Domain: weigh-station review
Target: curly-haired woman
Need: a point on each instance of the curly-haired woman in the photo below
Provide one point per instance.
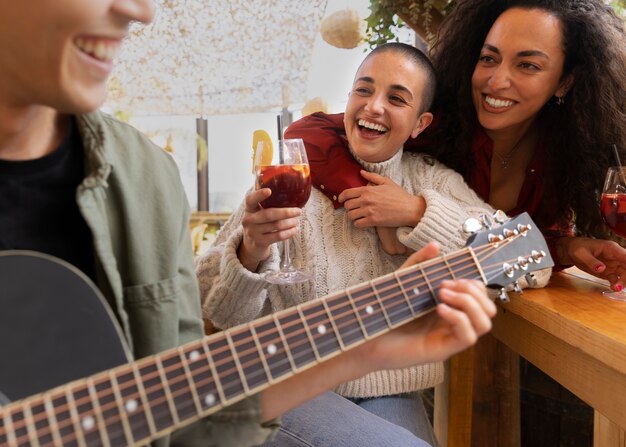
(529, 104)
(528, 107)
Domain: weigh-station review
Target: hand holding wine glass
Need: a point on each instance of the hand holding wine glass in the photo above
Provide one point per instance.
(613, 210)
(288, 177)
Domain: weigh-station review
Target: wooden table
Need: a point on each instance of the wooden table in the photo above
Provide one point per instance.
(568, 330)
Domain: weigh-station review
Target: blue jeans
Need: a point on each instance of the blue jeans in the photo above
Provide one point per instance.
(334, 421)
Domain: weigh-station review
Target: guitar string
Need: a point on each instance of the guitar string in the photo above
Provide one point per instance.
(307, 340)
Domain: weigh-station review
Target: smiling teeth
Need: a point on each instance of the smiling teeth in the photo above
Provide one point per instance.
(99, 49)
(498, 103)
(372, 126)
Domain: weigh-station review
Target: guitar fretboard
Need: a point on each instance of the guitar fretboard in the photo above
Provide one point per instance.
(148, 398)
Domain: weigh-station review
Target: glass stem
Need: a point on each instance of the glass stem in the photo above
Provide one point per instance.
(285, 264)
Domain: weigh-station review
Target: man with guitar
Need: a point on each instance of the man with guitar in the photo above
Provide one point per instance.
(78, 185)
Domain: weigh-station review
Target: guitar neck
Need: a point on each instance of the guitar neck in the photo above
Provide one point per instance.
(149, 398)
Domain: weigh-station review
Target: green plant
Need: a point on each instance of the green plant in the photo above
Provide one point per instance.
(388, 16)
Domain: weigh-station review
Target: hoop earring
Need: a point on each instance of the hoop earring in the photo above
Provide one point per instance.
(560, 101)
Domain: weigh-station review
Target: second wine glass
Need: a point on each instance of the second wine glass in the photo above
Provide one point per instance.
(288, 176)
(613, 210)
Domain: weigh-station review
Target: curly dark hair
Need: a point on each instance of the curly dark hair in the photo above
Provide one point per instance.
(579, 134)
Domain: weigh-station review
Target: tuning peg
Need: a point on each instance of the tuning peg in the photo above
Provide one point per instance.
(503, 296)
(523, 229)
(530, 279)
(522, 262)
(486, 221)
(537, 256)
(509, 233)
(500, 216)
(517, 288)
(508, 270)
(495, 238)
(472, 225)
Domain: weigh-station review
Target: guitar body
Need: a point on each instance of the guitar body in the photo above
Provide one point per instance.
(55, 326)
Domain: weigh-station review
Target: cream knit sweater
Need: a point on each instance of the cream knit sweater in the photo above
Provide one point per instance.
(341, 256)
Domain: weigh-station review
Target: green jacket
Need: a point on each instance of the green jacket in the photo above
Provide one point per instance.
(133, 201)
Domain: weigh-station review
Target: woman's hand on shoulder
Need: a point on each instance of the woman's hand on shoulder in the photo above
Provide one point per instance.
(263, 227)
(599, 257)
(381, 203)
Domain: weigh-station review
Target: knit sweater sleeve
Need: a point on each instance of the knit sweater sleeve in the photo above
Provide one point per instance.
(230, 293)
(449, 203)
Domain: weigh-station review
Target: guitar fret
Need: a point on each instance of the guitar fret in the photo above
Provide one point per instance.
(144, 399)
(218, 382)
(237, 362)
(381, 304)
(133, 409)
(225, 366)
(334, 325)
(40, 422)
(276, 351)
(259, 347)
(202, 376)
(252, 366)
(104, 436)
(296, 339)
(283, 337)
(308, 333)
(11, 432)
(445, 260)
(476, 265)
(176, 382)
(64, 419)
(78, 432)
(433, 295)
(356, 314)
(30, 425)
(190, 381)
(325, 338)
(349, 329)
(394, 303)
(370, 310)
(85, 415)
(404, 294)
(166, 391)
(118, 400)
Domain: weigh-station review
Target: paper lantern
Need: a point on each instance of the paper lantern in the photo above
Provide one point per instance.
(343, 29)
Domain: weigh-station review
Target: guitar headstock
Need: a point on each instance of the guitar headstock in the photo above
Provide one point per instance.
(508, 251)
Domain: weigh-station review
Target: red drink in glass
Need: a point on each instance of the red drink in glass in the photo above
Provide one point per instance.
(613, 209)
(290, 185)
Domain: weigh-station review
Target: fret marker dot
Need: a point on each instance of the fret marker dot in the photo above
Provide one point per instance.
(88, 423)
(416, 291)
(194, 355)
(209, 400)
(131, 405)
(321, 329)
(369, 310)
(271, 349)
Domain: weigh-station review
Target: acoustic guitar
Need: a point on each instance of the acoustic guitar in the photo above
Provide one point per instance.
(66, 378)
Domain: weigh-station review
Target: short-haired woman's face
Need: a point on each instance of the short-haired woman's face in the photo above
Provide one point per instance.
(383, 109)
(519, 69)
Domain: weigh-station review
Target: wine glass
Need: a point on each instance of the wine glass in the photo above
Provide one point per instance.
(613, 210)
(289, 177)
